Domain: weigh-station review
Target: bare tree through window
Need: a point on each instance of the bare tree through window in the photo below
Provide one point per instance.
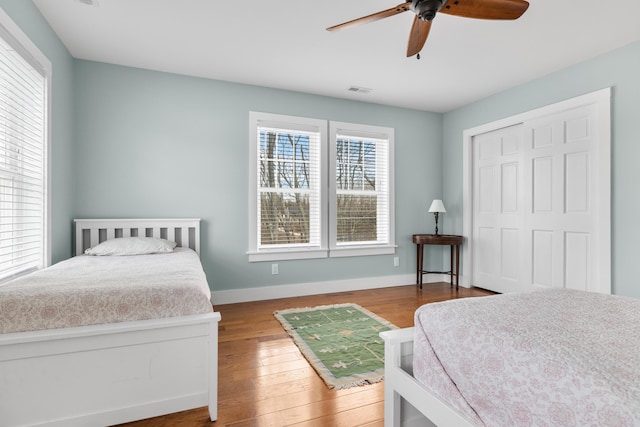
(319, 188)
(284, 187)
(357, 201)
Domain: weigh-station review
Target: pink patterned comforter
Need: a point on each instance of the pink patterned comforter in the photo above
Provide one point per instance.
(91, 290)
(546, 358)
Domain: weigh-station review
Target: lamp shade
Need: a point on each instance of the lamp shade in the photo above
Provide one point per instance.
(437, 206)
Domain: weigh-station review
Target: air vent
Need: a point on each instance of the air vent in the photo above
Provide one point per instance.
(359, 89)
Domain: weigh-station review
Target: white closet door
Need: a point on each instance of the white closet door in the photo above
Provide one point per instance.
(534, 196)
(498, 233)
(561, 213)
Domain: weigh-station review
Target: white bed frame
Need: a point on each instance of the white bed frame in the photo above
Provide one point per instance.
(406, 401)
(114, 373)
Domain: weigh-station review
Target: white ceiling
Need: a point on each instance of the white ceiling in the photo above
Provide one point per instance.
(283, 44)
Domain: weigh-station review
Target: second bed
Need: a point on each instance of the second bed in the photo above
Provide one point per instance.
(100, 340)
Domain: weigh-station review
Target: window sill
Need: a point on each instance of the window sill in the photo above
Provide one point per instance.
(10, 278)
(362, 251)
(293, 254)
(284, 255)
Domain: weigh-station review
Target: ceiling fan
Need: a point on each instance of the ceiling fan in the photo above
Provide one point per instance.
(426, 10)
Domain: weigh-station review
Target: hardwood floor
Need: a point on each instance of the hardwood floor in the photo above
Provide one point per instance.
(265, 381)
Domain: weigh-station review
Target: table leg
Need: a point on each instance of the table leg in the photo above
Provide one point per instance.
(457, 265)
(420, 249)
(451, 265)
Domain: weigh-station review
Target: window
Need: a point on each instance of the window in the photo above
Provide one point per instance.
(286, 202)
(361, 209)
(24, 75)
(319, 188)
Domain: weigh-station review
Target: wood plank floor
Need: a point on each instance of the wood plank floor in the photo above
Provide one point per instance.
(265, 381)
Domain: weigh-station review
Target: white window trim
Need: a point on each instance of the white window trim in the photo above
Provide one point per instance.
(14, 35)
(279, 254)
(328, 131)
(361, 249)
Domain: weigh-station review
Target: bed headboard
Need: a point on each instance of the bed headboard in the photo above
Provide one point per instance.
(184, 231)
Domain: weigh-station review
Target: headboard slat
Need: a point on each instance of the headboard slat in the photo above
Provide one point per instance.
(94, 236)
(184, 234)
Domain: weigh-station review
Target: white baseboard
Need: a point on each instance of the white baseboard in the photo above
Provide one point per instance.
(233, 296)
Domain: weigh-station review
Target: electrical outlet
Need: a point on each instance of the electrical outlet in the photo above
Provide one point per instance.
(396, 261)
(274, 268)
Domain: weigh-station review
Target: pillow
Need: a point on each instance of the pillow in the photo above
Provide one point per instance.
(132, 246)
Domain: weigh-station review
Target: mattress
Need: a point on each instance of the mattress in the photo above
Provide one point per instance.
(553, 357)
(91, 290)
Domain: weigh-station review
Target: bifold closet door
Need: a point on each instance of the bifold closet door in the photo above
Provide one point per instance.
(534, 196)
(498, 229)
(560, 214)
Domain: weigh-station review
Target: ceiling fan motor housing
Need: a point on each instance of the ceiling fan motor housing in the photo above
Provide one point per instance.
(426, 9)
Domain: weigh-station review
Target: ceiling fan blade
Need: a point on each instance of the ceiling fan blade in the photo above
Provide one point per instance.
(486, 9)
(403, 7)
(418, 36)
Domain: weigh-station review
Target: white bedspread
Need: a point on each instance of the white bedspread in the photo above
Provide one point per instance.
(547, 358)
(91, 290)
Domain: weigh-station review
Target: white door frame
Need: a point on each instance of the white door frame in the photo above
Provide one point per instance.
(602, 99)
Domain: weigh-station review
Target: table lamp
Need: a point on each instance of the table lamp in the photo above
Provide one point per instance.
(437, 207)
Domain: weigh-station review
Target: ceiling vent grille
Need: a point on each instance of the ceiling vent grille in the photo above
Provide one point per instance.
(359, 89)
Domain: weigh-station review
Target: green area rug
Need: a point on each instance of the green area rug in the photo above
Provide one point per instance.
(341, 342)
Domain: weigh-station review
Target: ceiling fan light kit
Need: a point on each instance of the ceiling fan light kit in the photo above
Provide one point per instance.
(426, 10)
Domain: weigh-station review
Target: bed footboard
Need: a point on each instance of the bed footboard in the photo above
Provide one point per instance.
(407, 402)
(109, 374)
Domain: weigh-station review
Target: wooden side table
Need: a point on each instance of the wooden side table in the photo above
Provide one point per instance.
(438, 239)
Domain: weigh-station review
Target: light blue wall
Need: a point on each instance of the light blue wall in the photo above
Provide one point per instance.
(620, 70)
(29, 19)
(153, 144)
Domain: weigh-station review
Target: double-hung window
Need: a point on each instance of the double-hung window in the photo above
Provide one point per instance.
(24, 77)
(361, 208)
(286, 192)
(319, 188)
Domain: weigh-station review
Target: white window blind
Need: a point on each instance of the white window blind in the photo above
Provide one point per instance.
(288, 188)
(362, 190)
(23, 104)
